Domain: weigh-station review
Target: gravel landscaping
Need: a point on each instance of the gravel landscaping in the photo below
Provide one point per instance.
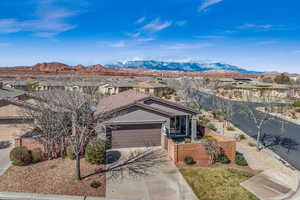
(53, 177)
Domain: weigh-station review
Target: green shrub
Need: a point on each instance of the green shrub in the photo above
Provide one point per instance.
(95, 184)
(95, 152)
(208, 137)
(203, 121)
(217, 113)
(223, 159)
(37, 155)
(212, 127)
(189, 160)
(230, 128)
(71, 153)
(20, 156)
(240, 137)
(296, 103)
(240, 160)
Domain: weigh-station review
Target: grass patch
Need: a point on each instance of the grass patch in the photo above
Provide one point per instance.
(218, 183)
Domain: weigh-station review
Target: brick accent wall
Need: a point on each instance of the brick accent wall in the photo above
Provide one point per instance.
(178, 152)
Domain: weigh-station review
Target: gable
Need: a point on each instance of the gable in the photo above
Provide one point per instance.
(176, 110)
(136, 114)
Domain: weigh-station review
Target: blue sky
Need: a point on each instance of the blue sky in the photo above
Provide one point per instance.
(256, 34)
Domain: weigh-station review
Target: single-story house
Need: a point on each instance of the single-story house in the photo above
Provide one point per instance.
(10, 112)
(154, 88)
(137, 119)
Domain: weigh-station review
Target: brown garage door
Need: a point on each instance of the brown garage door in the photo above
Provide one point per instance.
(138, 135)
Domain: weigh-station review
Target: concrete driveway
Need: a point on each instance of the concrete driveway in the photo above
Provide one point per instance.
(164, 183)
(4, 159)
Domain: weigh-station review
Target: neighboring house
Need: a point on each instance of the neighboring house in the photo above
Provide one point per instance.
(116, 88)
(148, 87)
(259, 90)
(153, 88)
(137, 119)
(10, 112)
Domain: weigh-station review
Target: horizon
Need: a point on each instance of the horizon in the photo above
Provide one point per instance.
(253, 35)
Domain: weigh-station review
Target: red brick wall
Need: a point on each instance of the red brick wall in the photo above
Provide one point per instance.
(178, 152)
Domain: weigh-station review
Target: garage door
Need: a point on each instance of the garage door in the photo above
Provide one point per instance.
(139, 135)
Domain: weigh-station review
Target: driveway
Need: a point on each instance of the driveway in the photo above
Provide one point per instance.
(164, 183)
(4, 158)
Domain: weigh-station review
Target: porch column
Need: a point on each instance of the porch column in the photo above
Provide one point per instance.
(187, 125)
(194, 128)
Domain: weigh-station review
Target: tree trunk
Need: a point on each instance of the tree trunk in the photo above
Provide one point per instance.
(77, 167)
(258, 139)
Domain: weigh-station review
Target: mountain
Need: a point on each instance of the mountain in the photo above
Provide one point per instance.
(180, 66)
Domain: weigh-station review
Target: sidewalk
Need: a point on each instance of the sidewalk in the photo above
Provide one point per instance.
(30, 196)
(263, 160)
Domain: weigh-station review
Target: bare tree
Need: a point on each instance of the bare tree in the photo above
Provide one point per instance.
(61, 114)
(259, 118)
(212, 147)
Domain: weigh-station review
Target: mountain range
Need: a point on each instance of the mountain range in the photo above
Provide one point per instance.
(180, 66)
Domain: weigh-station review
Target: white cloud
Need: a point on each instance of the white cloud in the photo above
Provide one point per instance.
(181, 23)
(157, 25)
(134, 35)
(118, 44)
(258, 27)
(140, 20)
(209, 36)
(207, 3)
(145, 39)
(296, 51)
(183, 46)
(51, 21)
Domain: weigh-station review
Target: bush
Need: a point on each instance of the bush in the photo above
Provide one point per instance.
(240, 160)
(230, 128)
(212, 127)
(95, 152)
(203, 121)
(240, 137)
(95, 184)
(208, 137)
(37, 155)
(223, 159)
(251, 144)
(296, 103)
(20, 156)
(71, 153)
(217, 113)
(189, 160)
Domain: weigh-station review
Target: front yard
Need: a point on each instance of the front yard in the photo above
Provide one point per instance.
(218, 183)
(53, 177)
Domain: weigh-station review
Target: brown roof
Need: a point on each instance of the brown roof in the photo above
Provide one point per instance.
(132, 97)
(119, 100)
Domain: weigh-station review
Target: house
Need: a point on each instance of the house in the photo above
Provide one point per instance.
(153, 88)
(137, 119)
(11, 113)
(115, 88)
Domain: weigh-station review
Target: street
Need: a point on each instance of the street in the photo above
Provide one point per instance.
(283, 141)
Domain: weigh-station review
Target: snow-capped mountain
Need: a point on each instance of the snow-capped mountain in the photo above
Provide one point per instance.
(180, 66)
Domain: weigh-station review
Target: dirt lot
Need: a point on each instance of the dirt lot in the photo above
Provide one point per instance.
(52, 177)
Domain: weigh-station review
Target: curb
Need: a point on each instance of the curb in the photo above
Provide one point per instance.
(31, 196)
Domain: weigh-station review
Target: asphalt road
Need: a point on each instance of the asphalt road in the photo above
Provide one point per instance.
(283, 141)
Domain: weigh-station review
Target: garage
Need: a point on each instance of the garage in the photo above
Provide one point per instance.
(136, 135)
